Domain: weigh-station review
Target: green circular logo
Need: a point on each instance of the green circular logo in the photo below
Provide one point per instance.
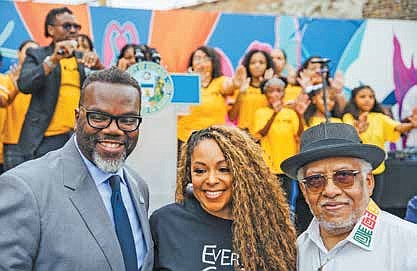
(156, 85)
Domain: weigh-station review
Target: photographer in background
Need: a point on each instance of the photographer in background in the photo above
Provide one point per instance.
(133, 53)
(53, 75)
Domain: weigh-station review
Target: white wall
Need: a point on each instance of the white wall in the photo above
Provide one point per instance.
(155, 156)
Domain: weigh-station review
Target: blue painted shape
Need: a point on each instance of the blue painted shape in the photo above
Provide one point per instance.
(186, 88)
(327, 38)
(390, 99)
(102, 16)
(288, 38)
(352, 50)
(235, 32)
(12, 33)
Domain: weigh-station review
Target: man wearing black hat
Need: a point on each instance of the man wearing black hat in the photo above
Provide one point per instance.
(348, 231)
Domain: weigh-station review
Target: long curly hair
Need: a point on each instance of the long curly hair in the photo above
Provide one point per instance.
(263, 234)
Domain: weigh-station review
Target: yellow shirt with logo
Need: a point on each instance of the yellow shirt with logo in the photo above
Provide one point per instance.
(381, 128)
(251, 100)
(15, 115)
(63, 120)
(315, 120)
(212, 110)
(280, 141)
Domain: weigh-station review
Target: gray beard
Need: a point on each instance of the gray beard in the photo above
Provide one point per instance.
(109, 165)
(340, 226)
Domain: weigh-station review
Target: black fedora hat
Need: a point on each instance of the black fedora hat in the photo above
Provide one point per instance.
(331, 140)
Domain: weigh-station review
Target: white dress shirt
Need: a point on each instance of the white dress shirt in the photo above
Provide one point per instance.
(103, 186)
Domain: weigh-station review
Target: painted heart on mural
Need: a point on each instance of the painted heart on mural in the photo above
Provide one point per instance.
(115, 37)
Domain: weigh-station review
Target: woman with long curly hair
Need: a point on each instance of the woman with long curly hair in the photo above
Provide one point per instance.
(230, 212)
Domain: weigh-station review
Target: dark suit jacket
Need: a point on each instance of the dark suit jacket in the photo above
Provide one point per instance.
(53, 218)
(45, 92)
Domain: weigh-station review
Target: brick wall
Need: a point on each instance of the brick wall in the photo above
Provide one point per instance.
(393, 9)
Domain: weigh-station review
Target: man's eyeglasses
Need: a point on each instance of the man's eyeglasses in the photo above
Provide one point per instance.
(341, 178)
(101, 120)
(67, 26)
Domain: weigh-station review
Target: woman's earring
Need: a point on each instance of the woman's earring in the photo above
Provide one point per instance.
(189, 190)
(190, 69)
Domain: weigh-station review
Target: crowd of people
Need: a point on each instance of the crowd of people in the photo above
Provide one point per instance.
(296, 159)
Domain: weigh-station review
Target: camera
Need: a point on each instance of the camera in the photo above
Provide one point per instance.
(154, 55)
(146, 53)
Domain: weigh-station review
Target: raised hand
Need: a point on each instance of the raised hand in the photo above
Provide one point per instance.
(362, 123)
(91, 60)
(240, 77)
(14, 72)
(64, 49)
(269, 73)
(277, 105)
(123, 64)
(337, 82)
(304, 80)
(301, 103)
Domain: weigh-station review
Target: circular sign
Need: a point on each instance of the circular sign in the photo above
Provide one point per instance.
(156, 85)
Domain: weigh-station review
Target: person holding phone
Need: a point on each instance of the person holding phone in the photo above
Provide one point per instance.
(53, 75)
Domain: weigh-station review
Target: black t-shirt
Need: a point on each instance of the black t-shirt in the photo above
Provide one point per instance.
(187, 238)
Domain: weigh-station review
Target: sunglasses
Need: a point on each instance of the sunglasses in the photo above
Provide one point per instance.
(341, 178)
(67, 26)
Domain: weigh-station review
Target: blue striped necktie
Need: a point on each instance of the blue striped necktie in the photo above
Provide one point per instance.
(122, 225)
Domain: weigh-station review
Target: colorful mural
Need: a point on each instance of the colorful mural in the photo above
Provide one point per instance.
(375, 52)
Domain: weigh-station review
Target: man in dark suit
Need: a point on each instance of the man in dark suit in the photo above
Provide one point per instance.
(80, 207)
(53, 75)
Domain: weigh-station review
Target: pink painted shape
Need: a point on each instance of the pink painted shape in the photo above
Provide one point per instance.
(257, 45)
(115, 37)
(404, 78)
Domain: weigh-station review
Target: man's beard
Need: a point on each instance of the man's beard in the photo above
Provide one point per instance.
(339, 227)
(346, 225)
(109, 165)
(87, 144)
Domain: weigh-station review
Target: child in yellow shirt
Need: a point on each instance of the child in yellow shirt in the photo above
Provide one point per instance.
(315, 112)
(373, 126)
(258, 66)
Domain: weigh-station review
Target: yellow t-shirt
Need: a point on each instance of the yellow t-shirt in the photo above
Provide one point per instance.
(381, 128)
(63, 120)
(317, 120)
(212, 110)
(6, 87)
(251, 100)
(291, 93)
(15, 116)
(280, 142)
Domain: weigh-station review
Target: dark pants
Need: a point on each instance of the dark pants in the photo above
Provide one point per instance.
(13, 156)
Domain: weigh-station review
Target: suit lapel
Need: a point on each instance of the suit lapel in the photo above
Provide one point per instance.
(87, 200)
(139, 202)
